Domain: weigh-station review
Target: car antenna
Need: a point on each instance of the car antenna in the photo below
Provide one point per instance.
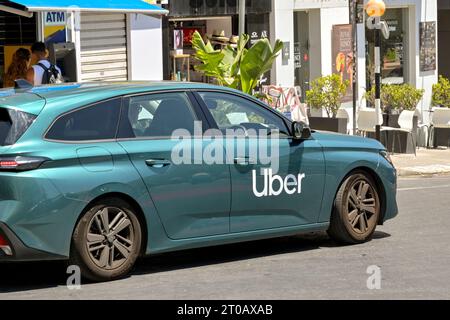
(22, 84)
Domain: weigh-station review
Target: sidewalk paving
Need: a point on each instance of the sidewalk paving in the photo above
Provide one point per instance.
(427, 162)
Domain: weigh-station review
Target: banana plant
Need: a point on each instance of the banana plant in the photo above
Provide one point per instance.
(238, 68)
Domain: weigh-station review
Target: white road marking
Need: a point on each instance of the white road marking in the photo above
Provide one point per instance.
(424, 188)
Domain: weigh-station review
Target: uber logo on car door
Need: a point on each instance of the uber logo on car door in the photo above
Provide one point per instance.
(274, 185)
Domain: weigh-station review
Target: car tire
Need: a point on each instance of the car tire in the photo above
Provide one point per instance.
(107, 240)
(356, 210)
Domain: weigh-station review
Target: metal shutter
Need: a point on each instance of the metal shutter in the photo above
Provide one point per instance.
(103, 47)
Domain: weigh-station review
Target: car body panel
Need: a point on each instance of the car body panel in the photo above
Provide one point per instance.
(250, 213)
(28, 102)
(344, 154)
(41, 207)
(192, 200)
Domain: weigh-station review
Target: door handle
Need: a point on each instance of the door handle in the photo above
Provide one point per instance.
(157, 163)
(244, 161)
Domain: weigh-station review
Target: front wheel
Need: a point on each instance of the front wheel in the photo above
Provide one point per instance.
(106, 241)
(356, 210)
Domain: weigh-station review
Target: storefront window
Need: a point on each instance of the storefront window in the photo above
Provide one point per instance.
(394, 58)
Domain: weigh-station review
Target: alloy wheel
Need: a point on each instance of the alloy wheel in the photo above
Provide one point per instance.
(110, 238)
(362, 206)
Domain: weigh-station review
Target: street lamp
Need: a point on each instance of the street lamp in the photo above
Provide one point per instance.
(375, 10)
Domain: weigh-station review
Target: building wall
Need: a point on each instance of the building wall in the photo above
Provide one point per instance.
(145, 52)
(219, 25)
(323, 14)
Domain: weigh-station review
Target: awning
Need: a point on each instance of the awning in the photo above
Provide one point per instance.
(122, 6)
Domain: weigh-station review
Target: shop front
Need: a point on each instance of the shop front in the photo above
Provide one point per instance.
(215, 20)
(408, 55)
(90, 41)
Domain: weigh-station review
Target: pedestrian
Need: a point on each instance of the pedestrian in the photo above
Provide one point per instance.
(18, 68)
(43, 72)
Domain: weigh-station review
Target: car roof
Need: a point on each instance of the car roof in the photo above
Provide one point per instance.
(74, 94)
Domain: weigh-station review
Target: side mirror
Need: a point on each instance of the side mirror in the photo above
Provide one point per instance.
(301, 131)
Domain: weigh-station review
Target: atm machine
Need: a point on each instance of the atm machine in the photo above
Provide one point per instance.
(64, 56)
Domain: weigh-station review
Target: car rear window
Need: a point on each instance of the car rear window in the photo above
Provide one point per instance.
(92, 123)
(13, 124)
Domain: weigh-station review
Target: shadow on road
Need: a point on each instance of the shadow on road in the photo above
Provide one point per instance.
(15, 277)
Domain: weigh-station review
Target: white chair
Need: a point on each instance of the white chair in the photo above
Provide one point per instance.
(367, 120)
(439, 120)
(406, 124)
(346, 113)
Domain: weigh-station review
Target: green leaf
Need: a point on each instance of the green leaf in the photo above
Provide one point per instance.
(257, 61)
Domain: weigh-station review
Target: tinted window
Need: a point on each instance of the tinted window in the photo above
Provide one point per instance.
(96, 122)
(13, 124)
(156, 115)
(231, 111)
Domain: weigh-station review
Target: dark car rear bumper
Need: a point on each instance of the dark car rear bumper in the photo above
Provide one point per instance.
(17, 251)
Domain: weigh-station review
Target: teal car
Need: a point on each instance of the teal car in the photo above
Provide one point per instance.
(91, 173)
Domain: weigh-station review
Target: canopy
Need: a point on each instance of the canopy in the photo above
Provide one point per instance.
(125, 6)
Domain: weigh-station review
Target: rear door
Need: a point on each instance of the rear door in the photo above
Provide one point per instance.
(191, 197)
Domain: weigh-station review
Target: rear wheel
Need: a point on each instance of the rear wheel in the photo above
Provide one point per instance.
(356, 210)
(107, 240)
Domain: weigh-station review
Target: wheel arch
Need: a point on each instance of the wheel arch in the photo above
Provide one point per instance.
(132, 202)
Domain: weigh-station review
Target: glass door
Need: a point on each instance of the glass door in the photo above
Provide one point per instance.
(394, 51)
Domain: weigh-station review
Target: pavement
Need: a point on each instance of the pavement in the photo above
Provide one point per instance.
(410, 254)
(427, 162)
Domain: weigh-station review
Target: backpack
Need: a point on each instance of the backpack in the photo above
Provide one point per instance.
(51, 74)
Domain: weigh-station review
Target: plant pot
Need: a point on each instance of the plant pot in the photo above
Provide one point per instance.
(338, 125)
(441, 137)
(404, 143)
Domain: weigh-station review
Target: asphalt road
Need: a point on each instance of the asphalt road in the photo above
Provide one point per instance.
(412, 252)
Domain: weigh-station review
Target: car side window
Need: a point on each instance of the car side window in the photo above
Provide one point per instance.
(156, 115)
(96, 122)
(233, 112)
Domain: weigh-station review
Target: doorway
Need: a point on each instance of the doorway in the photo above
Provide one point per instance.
(302, 50)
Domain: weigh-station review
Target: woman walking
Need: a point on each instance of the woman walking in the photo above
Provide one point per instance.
(18, 68)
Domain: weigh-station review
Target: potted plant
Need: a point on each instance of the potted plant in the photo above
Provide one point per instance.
(236, 66)
(441, 98)
(394, 100)
(441, 93)
(327, 93)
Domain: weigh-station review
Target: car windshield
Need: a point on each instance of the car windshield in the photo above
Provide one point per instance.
(13, 124)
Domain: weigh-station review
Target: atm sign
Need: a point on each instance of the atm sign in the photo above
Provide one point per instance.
(54, 18)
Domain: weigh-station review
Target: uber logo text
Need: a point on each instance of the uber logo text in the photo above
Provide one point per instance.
(74, 280)
(374, 281)
(274, 185)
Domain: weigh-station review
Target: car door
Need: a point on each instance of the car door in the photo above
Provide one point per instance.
(276, 181)
(192, 199)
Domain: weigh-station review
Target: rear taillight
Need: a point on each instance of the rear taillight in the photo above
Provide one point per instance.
(4, 246)
(20, 163)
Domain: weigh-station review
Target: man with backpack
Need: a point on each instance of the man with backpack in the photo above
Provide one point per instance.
(43, 72)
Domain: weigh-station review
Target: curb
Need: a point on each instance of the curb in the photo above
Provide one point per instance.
(430, 170)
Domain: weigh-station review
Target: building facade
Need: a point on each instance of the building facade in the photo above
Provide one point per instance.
(307, 28)
(118, 43)
(216, 20)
